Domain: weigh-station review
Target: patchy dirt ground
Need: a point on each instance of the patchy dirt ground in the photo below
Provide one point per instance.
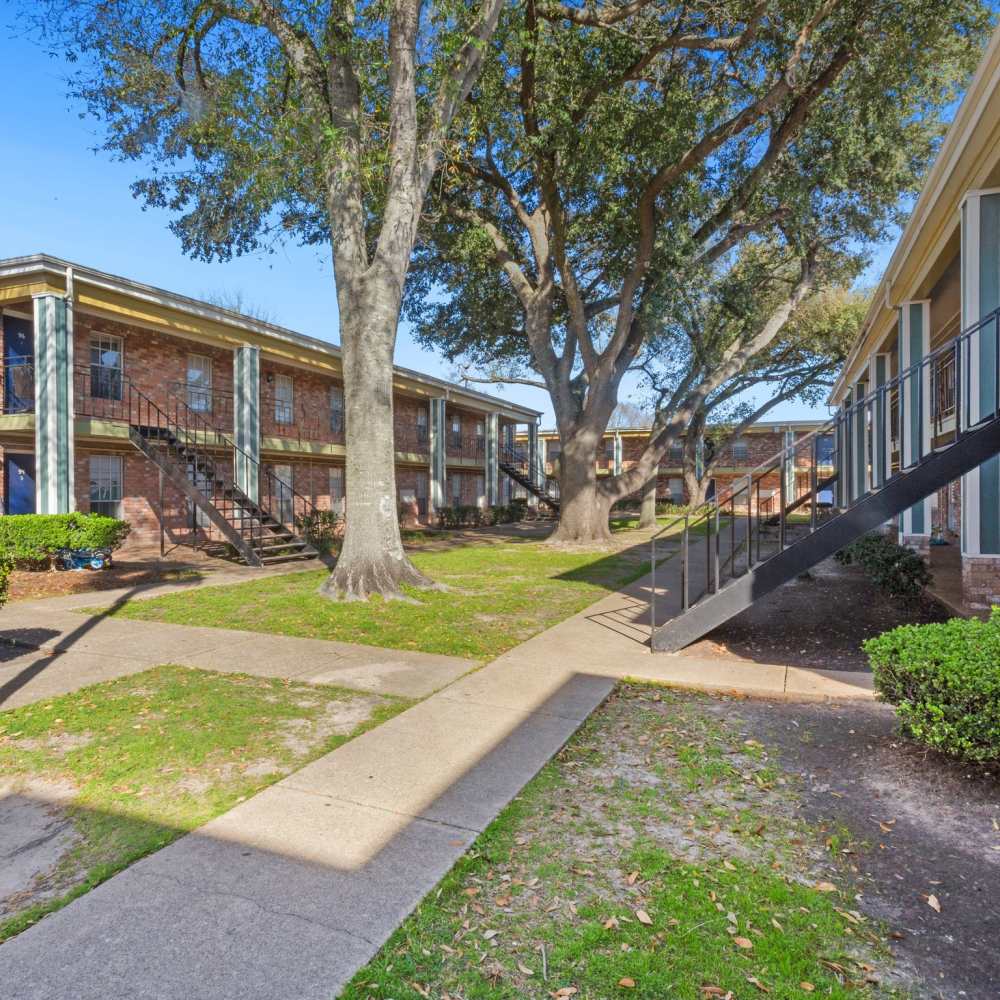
(925, 832)
(663, 854)
(26, 585)
(818, 620)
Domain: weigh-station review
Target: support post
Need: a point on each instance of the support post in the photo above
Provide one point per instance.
(915, 411)
(493, 459)
(163, 546)
(246, 419)
(54, 452)
(536, 472)
(439, 465)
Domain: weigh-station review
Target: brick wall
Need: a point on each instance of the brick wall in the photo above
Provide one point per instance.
(981, 580)
(468, 421)
(405, 425)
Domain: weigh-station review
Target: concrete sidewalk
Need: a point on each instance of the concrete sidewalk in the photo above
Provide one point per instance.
(48, 648)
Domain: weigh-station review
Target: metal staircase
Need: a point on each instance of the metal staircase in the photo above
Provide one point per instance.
(763, 532)
(194, 457)
(514, 464)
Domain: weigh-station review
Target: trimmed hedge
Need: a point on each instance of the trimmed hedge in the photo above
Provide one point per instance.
(5, 567)
(32, 539)
(471, 516)
(944, 680)
(897, 570)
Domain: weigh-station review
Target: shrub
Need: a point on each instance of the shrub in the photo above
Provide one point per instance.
(321, 529)
(943, 680)
(5, 567)
(32, 539)
(898, 571)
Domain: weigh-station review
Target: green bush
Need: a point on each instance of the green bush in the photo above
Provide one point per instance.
(943, 680)
(5, 567)
(32, 539)
(899, 571)
(321, 529)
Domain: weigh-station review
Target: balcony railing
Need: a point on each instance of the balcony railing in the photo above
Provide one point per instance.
(470, 446)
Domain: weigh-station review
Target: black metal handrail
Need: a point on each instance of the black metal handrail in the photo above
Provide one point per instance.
(18, 384)
(944, 374)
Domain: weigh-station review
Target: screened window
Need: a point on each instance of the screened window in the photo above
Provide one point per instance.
(676, 488)
(281, 487)
(456, 489)
(422, 489)
(456, 432)
(284, 400)
(481, 491)
(106, 485)
(337, 409)
(609, 448)
(422, 436)
(199, 383)
(740, 450)
(676, 454)
(106, 367)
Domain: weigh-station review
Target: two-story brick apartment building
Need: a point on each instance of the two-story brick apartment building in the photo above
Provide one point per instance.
(127, 399)
(758, 444)
(936, 307)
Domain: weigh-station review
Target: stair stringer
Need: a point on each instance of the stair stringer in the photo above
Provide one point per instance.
(178, 476)
(904, 490)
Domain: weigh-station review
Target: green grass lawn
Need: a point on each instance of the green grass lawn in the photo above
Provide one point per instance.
(138, 761)
(498, 595)
(660, 855)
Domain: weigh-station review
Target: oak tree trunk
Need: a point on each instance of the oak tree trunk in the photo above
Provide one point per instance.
(647, 513)
(583, 505)
(372, 560)
(695, 489)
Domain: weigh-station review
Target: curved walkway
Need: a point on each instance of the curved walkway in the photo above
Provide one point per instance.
(288, 894)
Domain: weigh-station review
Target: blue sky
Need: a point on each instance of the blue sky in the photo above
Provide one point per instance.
(62, 198)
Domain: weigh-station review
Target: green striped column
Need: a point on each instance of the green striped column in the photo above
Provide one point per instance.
(843, 444)
(859, 434)
(492, 459)
(980, 296)
(878, 374)
(789, 466)
(54, 492)
(436, 442)
(914, 344)
(617, 460)
(536, 462)
(246, 419)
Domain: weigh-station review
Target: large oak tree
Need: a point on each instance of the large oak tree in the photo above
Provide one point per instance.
(612, 155)
(259, 121)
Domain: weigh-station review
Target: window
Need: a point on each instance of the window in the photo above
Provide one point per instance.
(284, 400)
(422, 436)
(337, 409)
(609, 449)
(422, 486)
(106, 367)
(676, 454)
(199, 383)
(676, 490)
(740, 450)
(456, 432)
(337, 488)
(824, 449)
(456, 489)
(106, 485)
(481, 491)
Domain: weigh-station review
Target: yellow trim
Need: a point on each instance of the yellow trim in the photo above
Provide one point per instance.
(16, 422)
(286, 446)
(14, 293)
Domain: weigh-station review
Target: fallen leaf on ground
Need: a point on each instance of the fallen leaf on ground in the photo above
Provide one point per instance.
(644, 918)
(754, 981)
(932, 902)
(566, 991)
(808, 987)
(524, 970)
(825, 887)
(627, 983)
(742, 942)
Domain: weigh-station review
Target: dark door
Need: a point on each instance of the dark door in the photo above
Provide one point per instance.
(18, 358)
(20, 480)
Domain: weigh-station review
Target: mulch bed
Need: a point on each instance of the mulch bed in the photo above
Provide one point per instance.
(817, 621)
(27, 585)
(925, 832)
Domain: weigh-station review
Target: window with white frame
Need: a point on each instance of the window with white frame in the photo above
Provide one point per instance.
(284, 400)
(105, 367)
(456, 431)
(423, 484)
(337, 488)
(456, 489)
(422, 435)
(106, 485)
(676, 454)
(740, 450)
(337, 409)
(676, 488)
(281, 493)
(199, 383)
